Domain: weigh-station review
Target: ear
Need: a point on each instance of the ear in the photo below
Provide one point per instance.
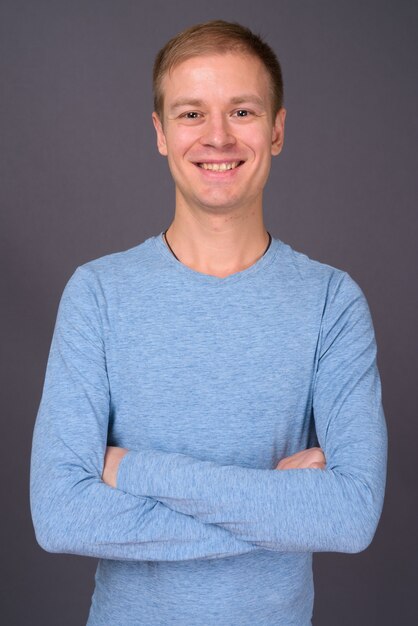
(277, 138)
(161, 142)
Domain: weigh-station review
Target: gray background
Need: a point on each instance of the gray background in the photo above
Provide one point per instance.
(81, 177)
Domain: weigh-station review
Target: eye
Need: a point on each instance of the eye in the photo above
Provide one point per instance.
(242, 113)
(190, 115)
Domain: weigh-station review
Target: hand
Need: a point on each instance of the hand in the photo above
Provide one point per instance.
(310, 458)
(113, 457)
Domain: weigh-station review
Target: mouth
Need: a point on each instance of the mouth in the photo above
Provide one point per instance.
(224, 166)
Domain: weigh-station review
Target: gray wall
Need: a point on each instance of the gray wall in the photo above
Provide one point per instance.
(81, 177)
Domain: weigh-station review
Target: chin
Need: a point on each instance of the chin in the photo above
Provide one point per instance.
(219, 203)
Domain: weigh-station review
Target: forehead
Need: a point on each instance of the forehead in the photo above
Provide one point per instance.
(217, 75)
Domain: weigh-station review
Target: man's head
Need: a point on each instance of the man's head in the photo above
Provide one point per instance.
(216, 37)
(218, 116)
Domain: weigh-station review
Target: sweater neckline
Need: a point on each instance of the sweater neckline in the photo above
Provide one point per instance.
(192, 274)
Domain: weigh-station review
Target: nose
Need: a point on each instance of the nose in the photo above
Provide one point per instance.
(217, 132)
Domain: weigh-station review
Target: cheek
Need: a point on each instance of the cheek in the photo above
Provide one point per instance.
(181, 139)
(259, 143)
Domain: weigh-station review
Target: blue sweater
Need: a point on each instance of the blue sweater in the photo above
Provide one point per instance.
(208, 382)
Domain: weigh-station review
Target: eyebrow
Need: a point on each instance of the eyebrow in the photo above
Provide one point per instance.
(248, 98)
(193, 102)
(182, 102)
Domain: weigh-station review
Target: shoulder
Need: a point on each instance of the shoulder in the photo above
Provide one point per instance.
(121, 262)
(115, 269)
(311, 273)
(337, 294)
(96, 284)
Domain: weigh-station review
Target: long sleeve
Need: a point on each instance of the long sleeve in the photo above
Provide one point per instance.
(336, 509)
(73, 510)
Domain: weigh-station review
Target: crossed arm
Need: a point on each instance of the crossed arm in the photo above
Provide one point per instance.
(170, 506)
(312, 458)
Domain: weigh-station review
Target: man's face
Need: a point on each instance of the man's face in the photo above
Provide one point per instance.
(217, 131)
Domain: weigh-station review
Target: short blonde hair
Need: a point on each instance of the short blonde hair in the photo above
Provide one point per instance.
(216, 37)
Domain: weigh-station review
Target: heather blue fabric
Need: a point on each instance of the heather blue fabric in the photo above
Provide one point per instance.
(208, 382)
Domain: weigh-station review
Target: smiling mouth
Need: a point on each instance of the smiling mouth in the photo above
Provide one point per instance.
(220, 167)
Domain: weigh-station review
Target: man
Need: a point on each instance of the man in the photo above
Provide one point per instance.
(188, 372)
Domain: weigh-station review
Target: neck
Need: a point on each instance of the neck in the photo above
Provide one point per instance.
(215, 249)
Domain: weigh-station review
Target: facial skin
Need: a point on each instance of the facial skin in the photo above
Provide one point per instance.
(217, 110)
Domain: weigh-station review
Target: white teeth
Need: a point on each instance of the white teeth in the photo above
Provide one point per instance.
(219, 167)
